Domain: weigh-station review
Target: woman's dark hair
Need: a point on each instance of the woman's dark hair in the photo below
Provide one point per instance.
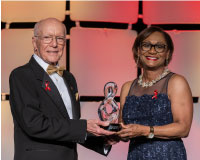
(146, 33)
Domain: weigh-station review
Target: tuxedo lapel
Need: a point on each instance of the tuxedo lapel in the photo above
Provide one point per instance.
(54, 94)
(72, 92)
(49, 87)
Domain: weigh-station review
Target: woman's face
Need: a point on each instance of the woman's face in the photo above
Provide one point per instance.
(153, 51)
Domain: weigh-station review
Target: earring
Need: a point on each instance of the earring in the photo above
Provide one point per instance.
(166, 62)
(35, 49)
(137, 60)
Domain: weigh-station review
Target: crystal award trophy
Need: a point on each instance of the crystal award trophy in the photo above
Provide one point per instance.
(108, 109)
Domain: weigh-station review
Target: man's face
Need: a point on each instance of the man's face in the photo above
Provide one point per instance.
(50, 50)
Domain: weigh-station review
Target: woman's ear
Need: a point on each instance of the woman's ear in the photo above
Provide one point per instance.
(167, 55)
(138, 51)
(167, 59)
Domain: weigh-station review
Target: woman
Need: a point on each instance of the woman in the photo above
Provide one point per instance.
(156, 108)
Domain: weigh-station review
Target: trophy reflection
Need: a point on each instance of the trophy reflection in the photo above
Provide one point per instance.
(108, 109)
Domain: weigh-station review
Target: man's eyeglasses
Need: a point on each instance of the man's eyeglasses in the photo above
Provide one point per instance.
(48, 39)
(157, 47)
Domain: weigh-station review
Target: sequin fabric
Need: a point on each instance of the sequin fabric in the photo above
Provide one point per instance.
(151, 112)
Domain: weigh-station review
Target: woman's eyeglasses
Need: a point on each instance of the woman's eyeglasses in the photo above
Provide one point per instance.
(157, 47)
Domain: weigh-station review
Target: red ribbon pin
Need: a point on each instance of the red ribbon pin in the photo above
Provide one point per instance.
(155, 94)
(47, 86)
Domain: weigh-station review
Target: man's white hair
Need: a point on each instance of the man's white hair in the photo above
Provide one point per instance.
(38, 25)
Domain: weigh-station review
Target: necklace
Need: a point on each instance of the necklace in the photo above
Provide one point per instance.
(151, 83)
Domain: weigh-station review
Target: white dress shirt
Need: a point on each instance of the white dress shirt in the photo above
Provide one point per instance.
(60, 84)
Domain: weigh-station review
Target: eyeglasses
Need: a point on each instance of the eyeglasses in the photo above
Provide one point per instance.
(157, 47)
(48, 39)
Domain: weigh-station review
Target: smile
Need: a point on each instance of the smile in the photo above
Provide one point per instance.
(151, 58)
(52, 51)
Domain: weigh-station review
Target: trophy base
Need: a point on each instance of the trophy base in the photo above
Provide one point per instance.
(115, 127)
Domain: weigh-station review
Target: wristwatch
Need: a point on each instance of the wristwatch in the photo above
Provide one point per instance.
(151, 133)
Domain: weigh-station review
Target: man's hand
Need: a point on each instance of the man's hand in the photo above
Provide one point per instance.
(93, 126)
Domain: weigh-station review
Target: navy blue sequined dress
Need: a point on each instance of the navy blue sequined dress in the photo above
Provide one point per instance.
(140, 108)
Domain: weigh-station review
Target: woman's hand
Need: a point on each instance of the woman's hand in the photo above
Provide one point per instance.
(132, 130)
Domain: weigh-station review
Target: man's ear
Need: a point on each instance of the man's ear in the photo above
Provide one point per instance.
(34, 44)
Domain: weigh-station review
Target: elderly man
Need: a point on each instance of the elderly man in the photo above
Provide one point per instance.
(45, 104)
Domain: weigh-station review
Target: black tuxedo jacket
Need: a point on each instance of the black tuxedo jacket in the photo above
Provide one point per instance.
(42, 127)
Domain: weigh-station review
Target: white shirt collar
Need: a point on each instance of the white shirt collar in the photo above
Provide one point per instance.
(41, 62)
